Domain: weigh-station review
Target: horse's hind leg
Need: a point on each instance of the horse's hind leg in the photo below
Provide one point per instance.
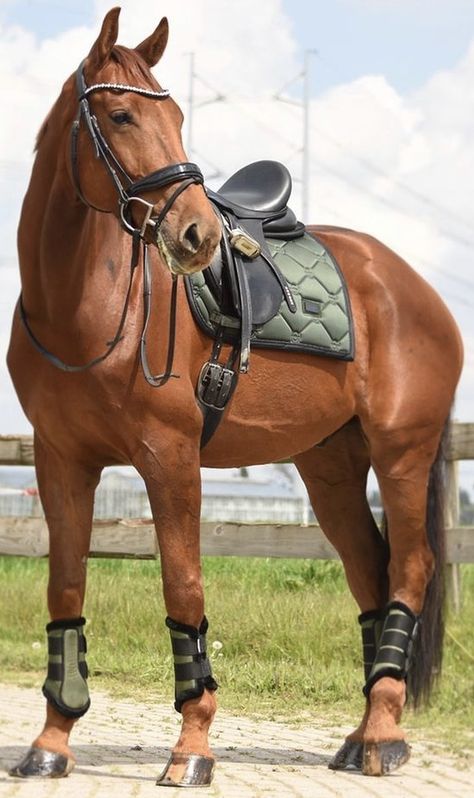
(335, 476)
(403, 459)
(67, 494)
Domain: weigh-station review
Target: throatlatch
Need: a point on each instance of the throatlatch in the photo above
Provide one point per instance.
(395, 647)
(66, 683)
(192, 669)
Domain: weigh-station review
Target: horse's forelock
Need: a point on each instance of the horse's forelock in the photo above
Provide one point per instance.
(131, 62)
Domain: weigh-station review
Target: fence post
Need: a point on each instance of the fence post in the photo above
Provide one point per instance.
(451, 518)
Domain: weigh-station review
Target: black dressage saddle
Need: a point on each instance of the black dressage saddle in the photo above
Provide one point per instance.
(245, 281)
(253, 206)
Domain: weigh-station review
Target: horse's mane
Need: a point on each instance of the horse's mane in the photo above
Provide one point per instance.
(41, 133)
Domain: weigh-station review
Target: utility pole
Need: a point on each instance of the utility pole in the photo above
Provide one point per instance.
(306, 145)
(189, 147)
(193, 105)
(305, 105)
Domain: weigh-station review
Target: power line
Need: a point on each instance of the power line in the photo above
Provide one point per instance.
(370, 166)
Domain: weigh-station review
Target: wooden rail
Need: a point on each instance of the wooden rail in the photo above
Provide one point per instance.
(136, 537)
(18, 449)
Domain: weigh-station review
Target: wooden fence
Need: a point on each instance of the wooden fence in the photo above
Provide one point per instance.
(136, 538)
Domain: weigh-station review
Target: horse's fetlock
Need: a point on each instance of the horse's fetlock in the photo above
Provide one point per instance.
(389, 693)
(200, 710)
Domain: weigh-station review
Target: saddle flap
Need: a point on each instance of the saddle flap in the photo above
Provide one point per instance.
(265, 292)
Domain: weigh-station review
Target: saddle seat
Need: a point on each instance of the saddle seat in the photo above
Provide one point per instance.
(264, 186)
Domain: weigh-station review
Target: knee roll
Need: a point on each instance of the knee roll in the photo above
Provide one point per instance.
(192, 668)
(66, 681)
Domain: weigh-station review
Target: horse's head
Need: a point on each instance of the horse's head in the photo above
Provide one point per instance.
(127, 155)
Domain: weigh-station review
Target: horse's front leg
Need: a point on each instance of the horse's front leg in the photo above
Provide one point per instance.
(172, 476)
(67, 494)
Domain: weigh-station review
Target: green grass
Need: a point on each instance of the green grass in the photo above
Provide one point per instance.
(290, 639)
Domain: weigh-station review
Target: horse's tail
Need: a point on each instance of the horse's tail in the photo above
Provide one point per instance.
(428, 646)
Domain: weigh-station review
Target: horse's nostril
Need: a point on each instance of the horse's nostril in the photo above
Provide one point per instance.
(192, 238)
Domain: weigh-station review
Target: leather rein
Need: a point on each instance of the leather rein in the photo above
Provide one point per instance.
(186, 174)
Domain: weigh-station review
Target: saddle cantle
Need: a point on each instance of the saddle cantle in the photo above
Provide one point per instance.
(244, 295)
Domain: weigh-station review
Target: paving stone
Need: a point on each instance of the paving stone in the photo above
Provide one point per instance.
(121, 747)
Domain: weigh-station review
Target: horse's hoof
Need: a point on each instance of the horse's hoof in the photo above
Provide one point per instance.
(349, 757)
(187, 770)
(382, 758)
(42, 764)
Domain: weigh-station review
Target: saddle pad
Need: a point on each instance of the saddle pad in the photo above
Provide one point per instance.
(322, 324)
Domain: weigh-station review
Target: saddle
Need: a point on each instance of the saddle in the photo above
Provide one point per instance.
(244, 279)
(252, 205)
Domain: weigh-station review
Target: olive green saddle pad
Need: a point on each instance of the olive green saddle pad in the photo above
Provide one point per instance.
(322, 323)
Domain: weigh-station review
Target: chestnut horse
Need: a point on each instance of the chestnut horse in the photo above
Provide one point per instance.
(74, 360)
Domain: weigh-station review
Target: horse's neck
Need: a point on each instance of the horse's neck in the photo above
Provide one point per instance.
(71, 257)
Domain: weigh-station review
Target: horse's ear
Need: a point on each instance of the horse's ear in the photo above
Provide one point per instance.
(152, 49)
(102, 47)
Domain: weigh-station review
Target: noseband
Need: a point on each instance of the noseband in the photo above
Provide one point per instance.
(184, 173)
(128, 190)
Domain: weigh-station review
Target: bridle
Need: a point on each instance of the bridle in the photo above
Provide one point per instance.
(128, 190)
(184, 173)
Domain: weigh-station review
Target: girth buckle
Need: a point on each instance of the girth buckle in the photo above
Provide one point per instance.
(215, 385)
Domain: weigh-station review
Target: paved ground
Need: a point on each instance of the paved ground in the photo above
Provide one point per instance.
(121, 747)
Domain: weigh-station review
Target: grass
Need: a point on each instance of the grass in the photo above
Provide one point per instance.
(290, 641)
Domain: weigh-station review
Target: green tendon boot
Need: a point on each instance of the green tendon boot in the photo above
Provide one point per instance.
(192, 669)
(66, 682)
(395, 645)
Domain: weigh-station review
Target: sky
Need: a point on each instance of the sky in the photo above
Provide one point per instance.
(391, 85)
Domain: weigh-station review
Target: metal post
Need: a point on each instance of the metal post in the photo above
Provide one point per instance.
(305, 177)
(452, 521)
(190, 105)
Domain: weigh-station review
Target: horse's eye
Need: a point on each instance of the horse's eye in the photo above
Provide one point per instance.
(121, 117)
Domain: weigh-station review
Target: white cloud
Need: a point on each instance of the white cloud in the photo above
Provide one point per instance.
(382, 162)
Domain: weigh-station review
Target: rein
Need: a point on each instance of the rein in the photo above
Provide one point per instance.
(186, 174)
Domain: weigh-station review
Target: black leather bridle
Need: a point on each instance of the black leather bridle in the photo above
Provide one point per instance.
(128, 190)
(184, 173)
